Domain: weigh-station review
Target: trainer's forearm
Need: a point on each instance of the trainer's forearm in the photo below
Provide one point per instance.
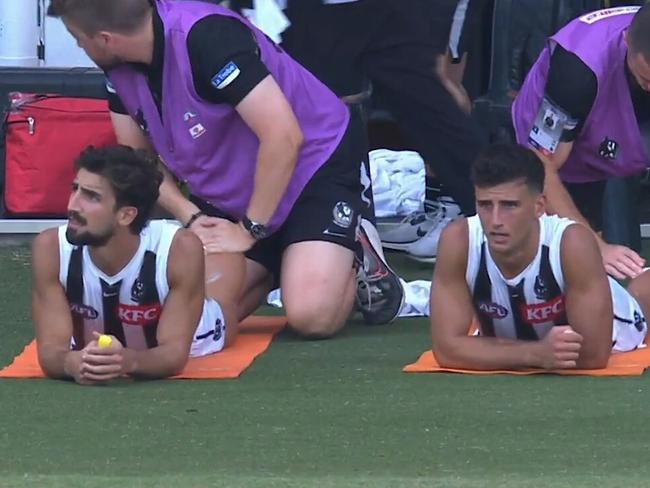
(558, 200)
(172, 199)
(488, 353)
(276, 161)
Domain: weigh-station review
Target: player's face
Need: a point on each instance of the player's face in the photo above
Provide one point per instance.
(97, 47)
(92, 218)
(508, 214)
(640, 69)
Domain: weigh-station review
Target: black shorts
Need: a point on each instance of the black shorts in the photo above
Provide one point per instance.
(328, 209)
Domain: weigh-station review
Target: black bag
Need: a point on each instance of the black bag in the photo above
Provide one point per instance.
(79, 82)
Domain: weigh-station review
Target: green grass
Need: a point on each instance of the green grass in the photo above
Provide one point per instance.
(327, 413)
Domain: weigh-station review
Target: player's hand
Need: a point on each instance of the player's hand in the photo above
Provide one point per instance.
(100, 364)
(621, 262)
(74, 368)
(560, 348)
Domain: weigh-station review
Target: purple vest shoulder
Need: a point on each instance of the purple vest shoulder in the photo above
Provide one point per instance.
(610, 142)
(208, 145)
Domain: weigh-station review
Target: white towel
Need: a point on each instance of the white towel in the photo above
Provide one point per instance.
(416, 298)
(398, 181)
(268, 17)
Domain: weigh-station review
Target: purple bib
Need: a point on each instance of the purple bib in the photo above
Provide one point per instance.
(208, 145)
(610, 142)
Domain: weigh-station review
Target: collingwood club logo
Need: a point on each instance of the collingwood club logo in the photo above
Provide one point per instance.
(343, 214)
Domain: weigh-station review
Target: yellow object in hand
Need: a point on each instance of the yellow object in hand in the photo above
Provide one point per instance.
(104, 340)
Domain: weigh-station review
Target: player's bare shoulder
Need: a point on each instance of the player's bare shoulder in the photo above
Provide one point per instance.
(575, 238)
(186, 255)
(184, 243)
(454, 238)
(45, 252)
(580, 254)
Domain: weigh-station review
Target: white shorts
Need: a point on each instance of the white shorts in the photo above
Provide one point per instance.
(210, 335)
(630, 327)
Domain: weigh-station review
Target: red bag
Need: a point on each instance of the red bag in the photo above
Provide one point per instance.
(44, 136)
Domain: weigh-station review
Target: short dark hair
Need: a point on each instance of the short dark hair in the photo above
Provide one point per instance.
(505, 163)
(133, 175)
(638, 34)
(92, 16)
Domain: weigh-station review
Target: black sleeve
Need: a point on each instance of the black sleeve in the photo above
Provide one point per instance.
(572, 86)
(114, 101)
(225, 59)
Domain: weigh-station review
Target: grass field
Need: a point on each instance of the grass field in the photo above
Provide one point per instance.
(335, 413)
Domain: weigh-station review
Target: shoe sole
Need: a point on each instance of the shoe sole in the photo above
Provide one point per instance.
(396, 246)
(423, 259)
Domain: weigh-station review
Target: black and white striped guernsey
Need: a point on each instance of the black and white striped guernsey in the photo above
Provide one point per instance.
(128, 304)
(527, 306)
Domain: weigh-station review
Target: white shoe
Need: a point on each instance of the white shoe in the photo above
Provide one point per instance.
(399, 233)
(426, 249)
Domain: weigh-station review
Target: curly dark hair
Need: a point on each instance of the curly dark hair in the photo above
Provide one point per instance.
(133, 175)
(92, 16)
(504, 163)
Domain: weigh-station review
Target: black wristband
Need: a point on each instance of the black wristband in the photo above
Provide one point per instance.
(192, 219)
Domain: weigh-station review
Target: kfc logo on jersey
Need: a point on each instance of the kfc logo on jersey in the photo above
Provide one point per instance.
(139, 315)
(541, 313)
(493, 310)
(84, 311)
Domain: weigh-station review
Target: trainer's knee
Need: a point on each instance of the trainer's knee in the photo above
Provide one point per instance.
(314, 322)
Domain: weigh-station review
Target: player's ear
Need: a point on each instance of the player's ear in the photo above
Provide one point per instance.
(126, 215)
(540, 205)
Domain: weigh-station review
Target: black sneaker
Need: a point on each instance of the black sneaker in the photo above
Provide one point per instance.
(380, 294)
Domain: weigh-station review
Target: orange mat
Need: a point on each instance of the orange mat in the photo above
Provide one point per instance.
(632, 363)
(255, 336)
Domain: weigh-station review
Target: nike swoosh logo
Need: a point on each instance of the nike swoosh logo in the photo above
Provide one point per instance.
(420, 233)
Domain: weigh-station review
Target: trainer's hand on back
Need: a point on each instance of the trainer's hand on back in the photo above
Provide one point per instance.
(100, 364)
(621, 262)
(560, 348)
(204, 226)
(222, 236)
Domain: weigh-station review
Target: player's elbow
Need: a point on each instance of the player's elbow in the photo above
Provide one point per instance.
(52, 361)
(177, 360)
(447, 354)
(170, 359)
(597, 359)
